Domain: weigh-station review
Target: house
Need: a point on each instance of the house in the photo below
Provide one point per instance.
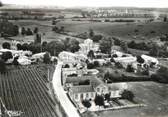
(70, 72)
(24, 60)
(150, 60)
(87, 46)
(125, 61)
(69, 56)
(96, 87)
(38, 56)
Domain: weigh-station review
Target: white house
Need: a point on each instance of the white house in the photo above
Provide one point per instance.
(38, 56)
(126, 60)
(149, 60)
(87, 46)
(72, 57)
(96, 87)
(24, 60)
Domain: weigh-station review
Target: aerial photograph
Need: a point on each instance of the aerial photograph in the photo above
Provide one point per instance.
(83, 58)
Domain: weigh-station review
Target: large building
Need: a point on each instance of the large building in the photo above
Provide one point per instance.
(87, 46)
(72, 57)
(125, 61)
(95, 87)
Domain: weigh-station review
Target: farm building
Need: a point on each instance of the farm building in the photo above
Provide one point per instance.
(24, 60)
(87, 46)
(13, 43)
(68, 56)
(96, 87)
(126, 60)
(17, 52)
(38, 56)
(150, 60)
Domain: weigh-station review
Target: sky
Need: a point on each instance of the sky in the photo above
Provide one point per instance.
(92, 3)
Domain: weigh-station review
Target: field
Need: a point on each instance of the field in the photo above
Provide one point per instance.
(154, 95)
(125, 31)
(139, 31)
(45, 28)
(26, 90)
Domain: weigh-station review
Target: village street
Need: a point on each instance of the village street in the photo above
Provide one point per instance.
(70, 110)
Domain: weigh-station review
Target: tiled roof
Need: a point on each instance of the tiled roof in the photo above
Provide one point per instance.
(79, 79)
(117, 86)
(82, 89)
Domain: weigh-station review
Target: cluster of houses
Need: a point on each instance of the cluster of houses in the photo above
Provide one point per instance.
(24, 57)
(83, 84)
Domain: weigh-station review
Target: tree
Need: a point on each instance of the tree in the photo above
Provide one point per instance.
(107, 75)
(16, 30)
(91, 33)
(6, 55)
(118, 65)
(96, 64)
(86, 103)
(25, 46)
(124, 46)
(140, 59)
(1, 4)
(114, 55)
(35, 30)
(154, 51)
(97, 38)
(112, 59)
(126, 94)
(91, 54)
(66, 66)
(37, 38)
(6, 45)
(105, 45)
(29, 32)
(117, 41)
(53, 22)
(165, 19)
(161, 75)
(55, 47)
(46, 58)
(44, 46)
(23, 31)
(67, 43)
(34, 48)
(19, 46)
(90, 66)
(99, 100)
(62, 29)
(56, 29)
(132, 44)
(129, 68)
(107, 96)
(74, 45)
(2, 66)
(15, 62)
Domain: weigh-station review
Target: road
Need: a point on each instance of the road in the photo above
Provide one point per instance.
(69, 108)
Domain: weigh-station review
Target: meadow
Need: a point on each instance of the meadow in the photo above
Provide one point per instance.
(138, 31)
(154, 95)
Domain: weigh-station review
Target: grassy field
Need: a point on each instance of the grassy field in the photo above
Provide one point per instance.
(153, 94)
(44, 27)
(125, 31)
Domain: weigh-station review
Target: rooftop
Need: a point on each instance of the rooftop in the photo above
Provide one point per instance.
(82, 89)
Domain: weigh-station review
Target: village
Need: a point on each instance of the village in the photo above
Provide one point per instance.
(87, 87)
(83, 62)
